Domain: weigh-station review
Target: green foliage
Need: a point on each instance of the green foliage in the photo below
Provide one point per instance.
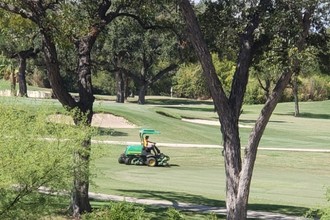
(6, 67)
(174, 214)
(117, 211)
(315, 88)
(34, 153)
(323, 213)
(104, 83)
(254, 94)
(191, 83)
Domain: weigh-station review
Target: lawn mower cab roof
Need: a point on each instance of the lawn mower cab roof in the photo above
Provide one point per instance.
(143, 132)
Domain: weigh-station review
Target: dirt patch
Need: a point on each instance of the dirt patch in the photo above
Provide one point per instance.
(99, 120)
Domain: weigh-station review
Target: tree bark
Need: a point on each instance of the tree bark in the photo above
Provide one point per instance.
(142, 93)
(295, 95)
(304, 18)
(22, 57)
(229, 109)
(120, 87)
(22, 88)
(36, 12)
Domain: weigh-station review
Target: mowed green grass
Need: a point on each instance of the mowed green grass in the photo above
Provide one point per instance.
(311, 130)
(287, 182)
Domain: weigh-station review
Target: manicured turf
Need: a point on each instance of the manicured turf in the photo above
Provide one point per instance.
(284, 182)
(311, 130)
(287, 182)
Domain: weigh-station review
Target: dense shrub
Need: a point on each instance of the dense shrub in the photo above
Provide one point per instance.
(254, 94)
(190, 82)
(117, 211)
(315, 88)
(34, 153)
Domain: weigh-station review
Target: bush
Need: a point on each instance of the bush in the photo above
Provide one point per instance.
(34, 153)
(323, 213)
(254, 94)
(117, 211)
(315, 88)
(173, 214)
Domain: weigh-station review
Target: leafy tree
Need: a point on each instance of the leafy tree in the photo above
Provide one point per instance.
(30, 163)
(238, 169)
(139, 50)
(190, 83)
(81, 22)
(18, 39)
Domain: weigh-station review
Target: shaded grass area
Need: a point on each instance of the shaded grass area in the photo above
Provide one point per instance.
(160, 213)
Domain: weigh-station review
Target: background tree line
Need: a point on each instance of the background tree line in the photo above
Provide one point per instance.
(122, 70)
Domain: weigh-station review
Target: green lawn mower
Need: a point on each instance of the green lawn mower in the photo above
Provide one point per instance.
(142, 155)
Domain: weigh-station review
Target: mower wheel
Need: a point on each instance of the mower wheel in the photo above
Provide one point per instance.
(121, 159)
(128, 161)
(151, 162)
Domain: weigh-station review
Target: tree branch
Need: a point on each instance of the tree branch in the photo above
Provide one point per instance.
(20, 11)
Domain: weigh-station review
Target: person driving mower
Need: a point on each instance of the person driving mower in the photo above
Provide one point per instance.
(149, 145)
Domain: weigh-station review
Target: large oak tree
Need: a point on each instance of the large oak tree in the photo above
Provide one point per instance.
(81, 22)
(238, 167)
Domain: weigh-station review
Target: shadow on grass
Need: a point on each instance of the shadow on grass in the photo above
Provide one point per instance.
(160, 213)
(177, 102)
(306, 115)
(185, 108)
(311, 115)
(175, 198)
(109, 132)
(282, 209)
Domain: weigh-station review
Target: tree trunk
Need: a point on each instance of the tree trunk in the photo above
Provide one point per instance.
(142, 94)
(80, 199)
(229, 109)
(22, 57)
(120, 87)
(295, 95)
(21, 77)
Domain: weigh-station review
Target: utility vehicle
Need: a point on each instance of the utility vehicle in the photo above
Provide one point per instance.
(139, 155)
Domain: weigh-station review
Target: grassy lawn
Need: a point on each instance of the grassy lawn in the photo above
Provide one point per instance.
(285, 182)
(283, 131)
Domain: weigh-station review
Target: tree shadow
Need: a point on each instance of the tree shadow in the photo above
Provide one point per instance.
(109, 132)
(288, 210)
(306, 115)
(175, 198)
(311, 115)
(186, 108)
(177, 102)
